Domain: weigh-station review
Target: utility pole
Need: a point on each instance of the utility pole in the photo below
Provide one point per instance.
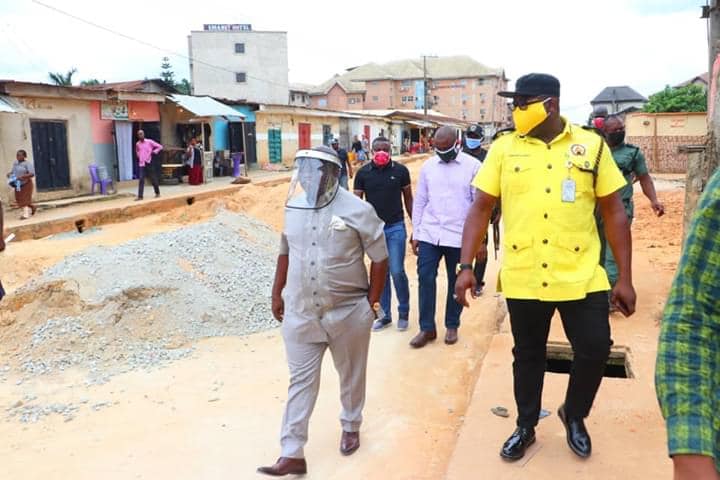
(425, 84)
(702, 162)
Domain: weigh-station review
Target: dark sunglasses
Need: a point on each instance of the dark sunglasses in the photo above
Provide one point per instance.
(524, 103)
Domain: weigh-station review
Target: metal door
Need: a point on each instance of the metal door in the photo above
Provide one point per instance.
(344, 133)
(250, 143)
(366, 132)
(275, 145)
(304, 141)
(50, 154)
(327, 135)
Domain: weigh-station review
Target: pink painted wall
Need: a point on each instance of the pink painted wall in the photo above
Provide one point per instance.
(139, 111)
(145, 111)
(101, 129)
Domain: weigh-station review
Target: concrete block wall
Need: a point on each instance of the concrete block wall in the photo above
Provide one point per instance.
(668, 159)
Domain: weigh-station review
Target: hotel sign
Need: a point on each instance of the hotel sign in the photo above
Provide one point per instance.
(227, 27)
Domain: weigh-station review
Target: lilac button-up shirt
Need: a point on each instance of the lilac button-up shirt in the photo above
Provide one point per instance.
(443, 197)
(145, 150)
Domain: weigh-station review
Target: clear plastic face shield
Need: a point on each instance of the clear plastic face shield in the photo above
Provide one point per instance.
(315, 181)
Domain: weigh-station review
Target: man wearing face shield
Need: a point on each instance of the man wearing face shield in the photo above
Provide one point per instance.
(551, 175)
(631, 163)
(443, 198)
(324, 298)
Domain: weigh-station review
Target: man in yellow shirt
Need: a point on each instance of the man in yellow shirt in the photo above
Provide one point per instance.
(551, 175)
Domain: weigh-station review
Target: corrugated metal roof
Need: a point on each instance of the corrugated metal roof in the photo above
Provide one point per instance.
(7, 105)
(204, 106)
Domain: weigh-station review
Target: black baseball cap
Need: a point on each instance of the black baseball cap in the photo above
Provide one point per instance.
(475, 129)
(535, 85)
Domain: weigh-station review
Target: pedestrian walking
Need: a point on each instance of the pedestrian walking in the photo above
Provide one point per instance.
(359, 152)
(632, 165)
(688, 360)
(21, 181)
(444, 196)
(324, 298)
(551, 174)
(386, 185)
(346, 170)
(145, 148)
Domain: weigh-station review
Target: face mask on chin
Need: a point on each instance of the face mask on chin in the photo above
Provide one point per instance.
(533, 115)
(615, 139)
(447, 155)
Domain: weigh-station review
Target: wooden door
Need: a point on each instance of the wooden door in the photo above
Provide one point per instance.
(304, 139)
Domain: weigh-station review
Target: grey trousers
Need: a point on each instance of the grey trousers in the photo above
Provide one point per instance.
(349, 350)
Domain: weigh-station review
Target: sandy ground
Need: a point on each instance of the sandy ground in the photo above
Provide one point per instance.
(217, 414)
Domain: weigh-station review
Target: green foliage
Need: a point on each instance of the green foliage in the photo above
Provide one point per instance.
(690, 98)
(63, 79)
(91, 81)
(183, 86)
(166, 72)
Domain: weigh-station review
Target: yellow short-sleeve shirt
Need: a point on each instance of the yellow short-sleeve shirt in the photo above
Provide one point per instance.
(551, 244)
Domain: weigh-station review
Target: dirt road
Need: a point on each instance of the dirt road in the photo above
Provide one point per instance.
(217, 413)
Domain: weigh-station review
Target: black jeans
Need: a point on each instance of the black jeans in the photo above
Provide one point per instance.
(587, 327)
(152, 171)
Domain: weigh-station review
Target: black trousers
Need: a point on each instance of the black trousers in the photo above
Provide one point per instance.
(151, 171)
(479, 268)
(587, 327)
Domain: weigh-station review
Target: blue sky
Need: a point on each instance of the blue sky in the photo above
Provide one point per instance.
(587, 44)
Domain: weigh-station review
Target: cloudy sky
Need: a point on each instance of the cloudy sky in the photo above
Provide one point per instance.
(587, 44)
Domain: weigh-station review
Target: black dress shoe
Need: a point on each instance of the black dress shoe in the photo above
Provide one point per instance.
(515, 446)
(577, 436)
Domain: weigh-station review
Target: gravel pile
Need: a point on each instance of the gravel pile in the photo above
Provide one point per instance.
(143, 303)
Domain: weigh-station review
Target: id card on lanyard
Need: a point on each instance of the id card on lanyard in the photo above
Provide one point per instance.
(568, 186)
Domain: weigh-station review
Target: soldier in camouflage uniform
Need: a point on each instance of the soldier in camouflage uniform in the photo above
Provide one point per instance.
(632, 164)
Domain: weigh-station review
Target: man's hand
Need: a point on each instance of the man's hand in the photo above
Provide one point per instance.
(415, 245)
(466, 280)
(694, 467)
(658, 208)
(623, 297)
(278, 307)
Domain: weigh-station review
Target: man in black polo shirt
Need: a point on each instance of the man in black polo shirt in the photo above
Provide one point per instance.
(385, 184)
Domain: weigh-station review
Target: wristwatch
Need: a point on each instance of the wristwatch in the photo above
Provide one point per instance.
(463, 266)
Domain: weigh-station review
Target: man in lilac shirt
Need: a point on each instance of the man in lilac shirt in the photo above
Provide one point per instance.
(145, 148)
(443, 198)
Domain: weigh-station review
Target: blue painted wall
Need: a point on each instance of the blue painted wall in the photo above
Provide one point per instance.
(220, 134)
(245, 110)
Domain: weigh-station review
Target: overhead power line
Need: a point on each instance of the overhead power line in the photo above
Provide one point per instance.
(151, 45)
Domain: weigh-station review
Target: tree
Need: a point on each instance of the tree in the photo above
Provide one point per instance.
(62, 79)
(183, 87)
(690, 98)
(166, 72)
(90, 82)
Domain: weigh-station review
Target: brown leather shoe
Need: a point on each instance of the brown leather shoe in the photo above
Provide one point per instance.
(349, 442)
(451, 336)
(422, 339)
(285, 466)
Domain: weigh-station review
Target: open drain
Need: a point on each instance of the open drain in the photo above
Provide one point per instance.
(560, 357)
(80, 225)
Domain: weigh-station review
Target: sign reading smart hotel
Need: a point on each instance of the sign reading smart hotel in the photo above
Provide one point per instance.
(227, 27)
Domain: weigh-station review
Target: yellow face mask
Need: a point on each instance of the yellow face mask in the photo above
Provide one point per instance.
(530, 117)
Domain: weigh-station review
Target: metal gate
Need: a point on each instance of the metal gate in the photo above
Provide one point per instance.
(50, 154)
(275, 145)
